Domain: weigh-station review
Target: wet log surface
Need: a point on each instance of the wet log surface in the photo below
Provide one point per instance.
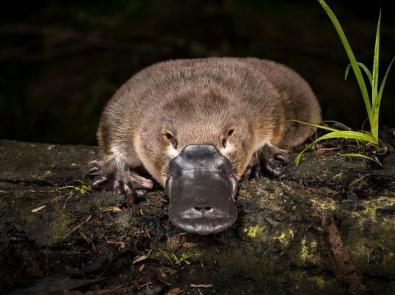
(330, 228)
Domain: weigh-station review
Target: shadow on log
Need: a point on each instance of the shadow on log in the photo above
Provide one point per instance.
(328, 229)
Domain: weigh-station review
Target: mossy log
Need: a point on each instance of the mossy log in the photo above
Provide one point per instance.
(330, 228)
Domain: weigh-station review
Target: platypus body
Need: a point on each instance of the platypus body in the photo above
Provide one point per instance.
(198, 126)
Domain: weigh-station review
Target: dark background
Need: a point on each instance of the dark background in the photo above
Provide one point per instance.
(60, 61)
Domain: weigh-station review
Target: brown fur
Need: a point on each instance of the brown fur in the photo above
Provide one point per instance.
(198, 101)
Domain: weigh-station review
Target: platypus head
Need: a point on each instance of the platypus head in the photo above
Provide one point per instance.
(202, 189)
(198, 151)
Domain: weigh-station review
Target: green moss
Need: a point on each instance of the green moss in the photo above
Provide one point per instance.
(253, 231)
(59, 229)
(179, 257)
(324, 204)
(370, 235)
(371, 209)
(309, 252)
(307, 283)
(285, 236)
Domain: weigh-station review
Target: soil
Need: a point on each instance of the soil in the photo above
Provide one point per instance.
(329, 228)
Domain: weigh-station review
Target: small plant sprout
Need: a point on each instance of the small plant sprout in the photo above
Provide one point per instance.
(372, 101)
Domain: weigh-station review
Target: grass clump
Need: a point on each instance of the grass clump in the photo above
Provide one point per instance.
(371, 100)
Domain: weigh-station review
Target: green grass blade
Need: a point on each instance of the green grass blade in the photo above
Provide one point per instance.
(315, 125)
(366, 70)
(374, 126)
(351, 57)
(359, 136)
(330, 128)
(375, 72)
(361, 156)
(299, 156)
(347, 135)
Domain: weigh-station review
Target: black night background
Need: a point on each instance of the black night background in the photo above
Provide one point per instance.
(60, 61)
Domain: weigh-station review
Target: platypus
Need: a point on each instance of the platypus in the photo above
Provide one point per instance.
(198, 126)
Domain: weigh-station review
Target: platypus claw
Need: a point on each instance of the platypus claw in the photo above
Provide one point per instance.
(279, 165)
(254, 171)
(129, 183)
(100, 181)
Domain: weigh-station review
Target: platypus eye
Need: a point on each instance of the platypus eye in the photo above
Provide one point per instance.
(170, 137)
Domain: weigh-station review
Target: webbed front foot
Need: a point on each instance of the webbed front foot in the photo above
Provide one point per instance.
(280, 165)
(270, 161)
(119, 178)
